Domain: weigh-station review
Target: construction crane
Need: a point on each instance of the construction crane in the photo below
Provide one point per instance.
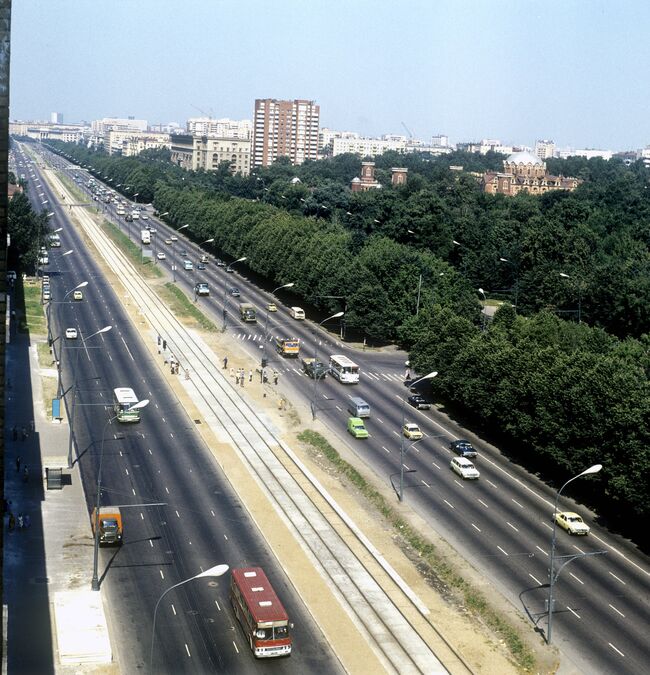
(408, 131)
(210, 116)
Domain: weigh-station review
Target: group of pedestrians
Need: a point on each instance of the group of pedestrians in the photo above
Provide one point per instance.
(21, 520)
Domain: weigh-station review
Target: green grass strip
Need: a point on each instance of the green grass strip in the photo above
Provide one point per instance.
(183, 307)
(474, 600)
(33, 321)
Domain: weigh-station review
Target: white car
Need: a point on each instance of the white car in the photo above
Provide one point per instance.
(464, 468)
(144, 216)
(174, 237)
(161, 256)
(71, 333)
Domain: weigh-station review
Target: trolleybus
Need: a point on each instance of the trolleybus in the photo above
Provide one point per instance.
(343, 369)
(259, 611)
(124, 399)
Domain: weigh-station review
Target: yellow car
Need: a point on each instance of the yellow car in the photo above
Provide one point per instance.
(571, 522)
(271, 307)
(78, 295)
(412, 431)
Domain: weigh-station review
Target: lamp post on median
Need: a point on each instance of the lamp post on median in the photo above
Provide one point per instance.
(225, 291)
(402, 450)
(83, 284)
(579, 286)
(94, 584)
(266, 321)
(552, 575)
(105, 329)
(182, 227)
(216, 571)
(315, 374)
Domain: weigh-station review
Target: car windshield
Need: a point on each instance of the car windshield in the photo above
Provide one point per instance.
(574, 519)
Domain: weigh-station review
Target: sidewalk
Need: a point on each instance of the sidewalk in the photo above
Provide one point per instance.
(47, 565)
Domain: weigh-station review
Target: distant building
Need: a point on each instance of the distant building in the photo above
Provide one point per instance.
(68, 133)
(131, 143)
(285, 129)
(440, 141)
(525, 172)
(588, 153)
(220, 128)
(103, 126)
(367, 147)
(398, 176)
(194, 152)
(367, 180)
(544, 149)
(56, 118)
(487, 145)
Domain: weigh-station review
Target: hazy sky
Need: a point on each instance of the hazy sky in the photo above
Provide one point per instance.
(573, 71)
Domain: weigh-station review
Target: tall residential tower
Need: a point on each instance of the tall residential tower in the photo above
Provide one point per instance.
(285, 129)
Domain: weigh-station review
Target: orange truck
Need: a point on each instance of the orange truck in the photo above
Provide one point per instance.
(110, 524)
(287, 346)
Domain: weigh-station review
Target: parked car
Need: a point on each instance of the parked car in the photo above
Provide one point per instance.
(235, 292)
(357, 428)
(419, 402)
(71, 333)
(464, 468)
(412, 431)
(462, 448)
(571, 522)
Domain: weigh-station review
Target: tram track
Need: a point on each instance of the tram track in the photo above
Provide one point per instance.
(269, 459)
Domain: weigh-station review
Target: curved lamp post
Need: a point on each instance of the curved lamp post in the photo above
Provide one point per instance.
(266, 320)
(83, 284)
(182, 227)
(553, 576)
(94, 584)
(216, 571)
(579, 287)
(313, 397)
(225, 292)
(402, 449)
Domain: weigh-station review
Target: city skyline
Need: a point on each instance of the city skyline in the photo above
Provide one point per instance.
(469, 71)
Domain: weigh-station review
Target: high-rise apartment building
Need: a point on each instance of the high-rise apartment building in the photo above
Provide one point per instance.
(285, 129)
(544, 149)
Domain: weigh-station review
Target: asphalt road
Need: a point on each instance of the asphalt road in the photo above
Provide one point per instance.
(162, 459)
(500, 523)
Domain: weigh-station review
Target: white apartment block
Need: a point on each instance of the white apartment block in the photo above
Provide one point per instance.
(222, 128)
(588, 153)
(366, 147)
(131, 143)
(100, 127)
(194, 152)
(440, 141)
(544, 149)
(326, 136)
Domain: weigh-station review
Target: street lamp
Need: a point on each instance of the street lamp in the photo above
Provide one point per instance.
(579, 287)
(105, 329)
(94, 584)
(402, 450)
(266, 321)
(516, 285)
(316, 378)
(58, 365)
(225, 292)
(482, 292)
(553, 577)
(216, 571)
(182, 227)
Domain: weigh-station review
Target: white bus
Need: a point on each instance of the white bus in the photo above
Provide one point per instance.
(123, 400)
(343, 369)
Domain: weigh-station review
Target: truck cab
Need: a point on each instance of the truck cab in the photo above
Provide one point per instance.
(314, 368)
(247, 313)
(110, 525)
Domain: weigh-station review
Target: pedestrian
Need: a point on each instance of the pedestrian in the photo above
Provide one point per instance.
(25, 474)
(27, 521)
(242, 378)
(164, 345)
(225, 362)
(14, 433)
(18, 464)
(12, 522)
(159, 340)
(20, 521)
(275, 377)
(237, 379)
(407, 376)
(232, 372)
(250, 375)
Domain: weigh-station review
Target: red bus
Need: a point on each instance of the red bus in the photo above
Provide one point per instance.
(259, 611)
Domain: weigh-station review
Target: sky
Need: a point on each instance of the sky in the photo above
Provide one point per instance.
(574, 71)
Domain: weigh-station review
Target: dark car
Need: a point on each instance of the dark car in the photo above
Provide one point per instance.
(419, 402)
(235, 292)
(220, 263)
(200, 266)
(183, 253)
(462, 448)
(128, 217)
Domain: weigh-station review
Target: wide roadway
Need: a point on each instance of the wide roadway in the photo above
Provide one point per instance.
(162, 459)
(501, 523)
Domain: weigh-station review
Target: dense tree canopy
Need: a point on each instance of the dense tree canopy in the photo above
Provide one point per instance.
(558, 394)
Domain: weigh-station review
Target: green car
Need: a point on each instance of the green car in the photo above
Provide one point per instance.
(357, 428)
